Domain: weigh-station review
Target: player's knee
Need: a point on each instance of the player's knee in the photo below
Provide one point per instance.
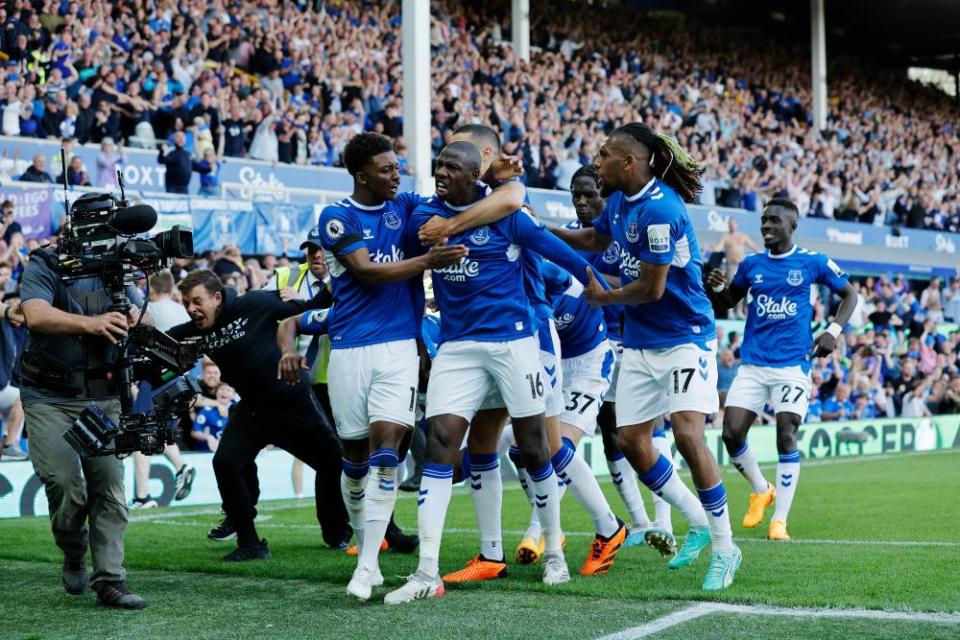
(533, 448)
(635, 443)
(441, 448)
(787, 437)
(732, 439)
(689, 443)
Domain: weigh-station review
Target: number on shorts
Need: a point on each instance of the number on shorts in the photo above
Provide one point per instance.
(575, 401)
(536, 385)
(686, 382)
(413, 398)
(786, 389)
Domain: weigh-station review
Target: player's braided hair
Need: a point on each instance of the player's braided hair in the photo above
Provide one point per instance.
(587, 170)
(670, 162)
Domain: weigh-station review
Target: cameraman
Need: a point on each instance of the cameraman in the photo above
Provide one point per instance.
(67, 364)
(239, 334)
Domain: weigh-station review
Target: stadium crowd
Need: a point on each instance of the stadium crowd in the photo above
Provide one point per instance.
(292, 82)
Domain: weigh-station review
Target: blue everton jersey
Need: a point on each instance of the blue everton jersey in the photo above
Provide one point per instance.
(369, 313)
(580, 326)
(532, 276)
(653, 226)
(779, 312)
(482, 297)
(607, 263)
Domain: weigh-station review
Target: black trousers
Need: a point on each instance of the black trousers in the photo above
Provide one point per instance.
(297, 425)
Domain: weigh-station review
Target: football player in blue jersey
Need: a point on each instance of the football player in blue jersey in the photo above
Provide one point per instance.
(669, 355)
(588, 204)
(776, 352)
(487, 339)
(374, 331)
(489, 421)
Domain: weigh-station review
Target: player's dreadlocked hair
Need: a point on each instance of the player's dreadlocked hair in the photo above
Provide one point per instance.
(587, 170)
(670, 162)
(362, 148)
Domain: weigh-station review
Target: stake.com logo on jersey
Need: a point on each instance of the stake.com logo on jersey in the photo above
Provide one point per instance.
(459, 272)
(395, 255)
(775, 309)
(629, 265)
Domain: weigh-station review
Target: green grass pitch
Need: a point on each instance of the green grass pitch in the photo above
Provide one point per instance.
(872, 533)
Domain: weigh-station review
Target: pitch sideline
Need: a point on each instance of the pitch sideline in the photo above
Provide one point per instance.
(701, 609)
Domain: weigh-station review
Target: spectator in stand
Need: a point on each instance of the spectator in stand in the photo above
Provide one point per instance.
(839, 405)
(209, 170)
(76, 174)
(734, 244)
(915, 401)
(10, 226)
(109, 161)
(931, 300)
(178, 163)
(230, 262)
(951, 301)
(37, 172)
(236, 133)
(726, 371)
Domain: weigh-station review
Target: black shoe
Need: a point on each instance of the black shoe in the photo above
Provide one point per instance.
(258, 551)
(75, 576)
(116, 595)
(412, 483)
(337, 536)
(223, 531)
(400, 542)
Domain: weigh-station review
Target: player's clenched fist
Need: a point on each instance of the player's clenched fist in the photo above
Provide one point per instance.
(717, 280)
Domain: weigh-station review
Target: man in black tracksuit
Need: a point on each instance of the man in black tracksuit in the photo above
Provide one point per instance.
(240, 335)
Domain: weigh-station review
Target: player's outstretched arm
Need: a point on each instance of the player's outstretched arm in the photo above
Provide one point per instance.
(726, 297)
(648, 287)
(583, 239)
(537, 238)
(504, 200)
(358, 263)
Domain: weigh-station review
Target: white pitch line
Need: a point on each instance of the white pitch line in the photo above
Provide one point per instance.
(695, 611)
(810, 612)
(655, 626)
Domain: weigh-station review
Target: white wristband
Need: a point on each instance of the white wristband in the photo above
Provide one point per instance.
(834, 329)
(717, 288)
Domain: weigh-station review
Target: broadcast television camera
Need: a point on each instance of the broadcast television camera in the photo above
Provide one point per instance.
(103, 237)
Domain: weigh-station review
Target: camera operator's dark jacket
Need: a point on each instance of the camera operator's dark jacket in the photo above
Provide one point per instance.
(66, 353)
(243, 342)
